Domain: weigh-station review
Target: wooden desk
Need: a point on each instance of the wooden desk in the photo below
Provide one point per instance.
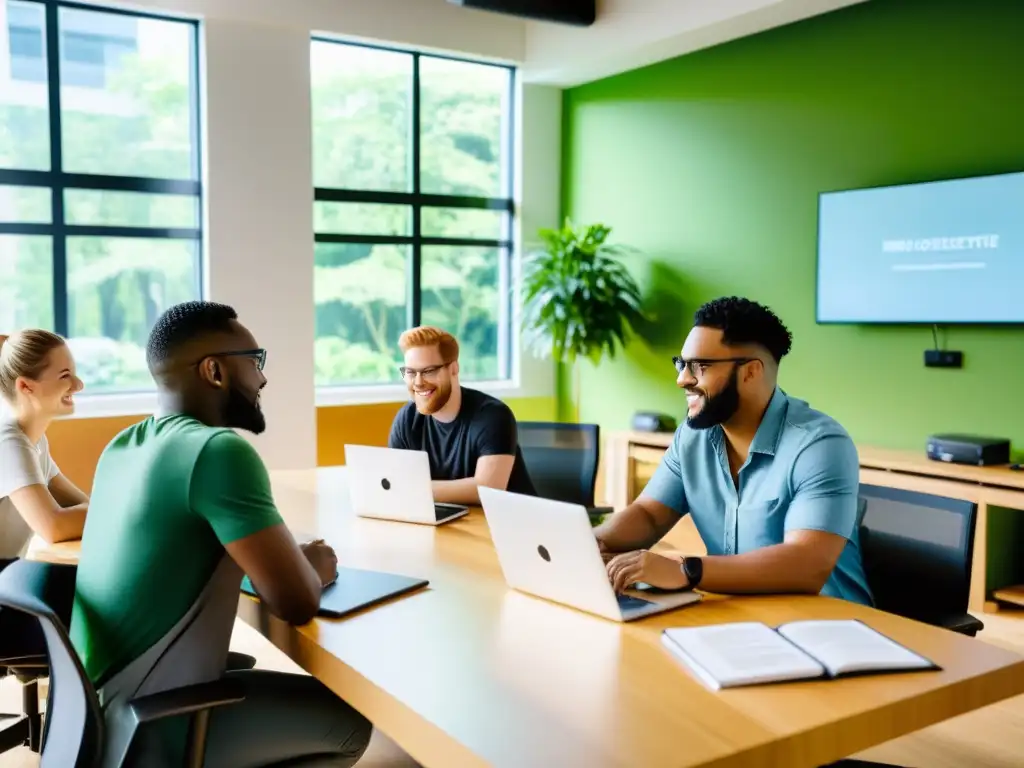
(65, 552)
(468, 672)
(471, 673)
(632, 455)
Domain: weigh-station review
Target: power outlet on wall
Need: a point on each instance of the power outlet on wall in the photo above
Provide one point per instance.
(941, 358)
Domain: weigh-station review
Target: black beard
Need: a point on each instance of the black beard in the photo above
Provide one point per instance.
(718, 408)
(241, 413)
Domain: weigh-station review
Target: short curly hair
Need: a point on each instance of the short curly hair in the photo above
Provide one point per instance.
(183, 323)
(430, 336)
(743, 321)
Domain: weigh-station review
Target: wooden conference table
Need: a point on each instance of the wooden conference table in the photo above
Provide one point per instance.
(467, 672)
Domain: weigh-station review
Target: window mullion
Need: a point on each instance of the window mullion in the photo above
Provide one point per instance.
(507, 276)
(61, 301)
(416, 254)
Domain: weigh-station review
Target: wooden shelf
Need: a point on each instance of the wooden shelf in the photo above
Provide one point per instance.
(917, 463)
(1013, 595)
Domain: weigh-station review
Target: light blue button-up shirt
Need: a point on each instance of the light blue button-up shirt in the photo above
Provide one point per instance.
(802, 472)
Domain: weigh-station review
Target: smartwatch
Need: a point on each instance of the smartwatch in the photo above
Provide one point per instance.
(693, 569)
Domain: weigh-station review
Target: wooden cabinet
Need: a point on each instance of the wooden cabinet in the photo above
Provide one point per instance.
(629, 460)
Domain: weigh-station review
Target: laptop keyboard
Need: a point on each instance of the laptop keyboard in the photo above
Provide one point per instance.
(444, 511)
(627, 602)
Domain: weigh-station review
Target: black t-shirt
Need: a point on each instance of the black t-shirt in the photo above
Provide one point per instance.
(484, 426)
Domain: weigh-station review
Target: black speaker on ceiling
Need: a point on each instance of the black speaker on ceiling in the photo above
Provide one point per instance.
(579, 13)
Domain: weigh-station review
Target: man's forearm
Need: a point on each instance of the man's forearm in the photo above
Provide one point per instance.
(462, 491)
(632, 528)
(779, 569)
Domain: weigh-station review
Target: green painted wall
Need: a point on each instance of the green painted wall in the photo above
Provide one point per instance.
(712, 163)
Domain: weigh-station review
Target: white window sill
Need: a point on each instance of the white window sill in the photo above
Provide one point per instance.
(143, 404)
(396, 393)
(140, 404)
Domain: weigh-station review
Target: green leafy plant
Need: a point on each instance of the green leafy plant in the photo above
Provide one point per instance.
(578, 298)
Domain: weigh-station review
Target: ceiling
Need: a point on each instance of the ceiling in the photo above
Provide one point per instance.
(628, 33)
(633, 33)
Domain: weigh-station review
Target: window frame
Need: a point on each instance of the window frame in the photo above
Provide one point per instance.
(58, 181)
(416, 200)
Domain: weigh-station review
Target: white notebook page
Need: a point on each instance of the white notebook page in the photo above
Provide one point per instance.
(743, 653)
(850, 646)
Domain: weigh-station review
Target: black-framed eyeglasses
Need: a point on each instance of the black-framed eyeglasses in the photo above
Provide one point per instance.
(429, 374)
(699, 364)
(259, 355)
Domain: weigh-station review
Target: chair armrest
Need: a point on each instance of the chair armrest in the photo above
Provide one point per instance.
(963, 623)
(240, 661)
(184, 701)
(25, 662)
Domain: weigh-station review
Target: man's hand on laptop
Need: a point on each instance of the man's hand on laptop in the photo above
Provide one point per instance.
(323, 559)
(648, 567)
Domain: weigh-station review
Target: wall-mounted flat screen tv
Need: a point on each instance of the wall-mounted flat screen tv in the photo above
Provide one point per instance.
(941, 252)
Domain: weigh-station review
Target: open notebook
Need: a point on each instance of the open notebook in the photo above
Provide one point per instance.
(750, 653)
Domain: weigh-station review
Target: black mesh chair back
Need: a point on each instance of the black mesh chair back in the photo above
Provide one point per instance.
(561, 459)
(21, 635)
(39, 590)
(916, 548)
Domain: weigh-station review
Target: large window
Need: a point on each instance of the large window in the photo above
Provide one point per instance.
(99, 179)
(413, 209)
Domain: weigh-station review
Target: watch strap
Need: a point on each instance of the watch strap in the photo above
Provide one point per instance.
(693, 569)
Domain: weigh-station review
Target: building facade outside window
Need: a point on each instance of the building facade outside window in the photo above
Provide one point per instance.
(100, 194)
(413, 211)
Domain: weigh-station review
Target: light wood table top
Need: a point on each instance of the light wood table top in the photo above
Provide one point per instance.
(468, 672)
(64, 552)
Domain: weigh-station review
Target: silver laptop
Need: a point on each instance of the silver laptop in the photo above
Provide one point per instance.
(547, 548)
(394, 484)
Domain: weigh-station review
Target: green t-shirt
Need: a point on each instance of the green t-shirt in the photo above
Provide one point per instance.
(168, 494)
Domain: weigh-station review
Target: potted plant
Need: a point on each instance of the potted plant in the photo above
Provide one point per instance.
(579, 301)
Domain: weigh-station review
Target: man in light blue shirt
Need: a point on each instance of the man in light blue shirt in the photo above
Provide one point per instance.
(771, 484)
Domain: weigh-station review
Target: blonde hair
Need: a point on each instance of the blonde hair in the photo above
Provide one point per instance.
(24, 354)
(429, 336)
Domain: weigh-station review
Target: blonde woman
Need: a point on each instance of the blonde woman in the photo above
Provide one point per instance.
(37, 384)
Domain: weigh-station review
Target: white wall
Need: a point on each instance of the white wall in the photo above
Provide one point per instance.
(259, 183)
(259, 207)
(538, 193)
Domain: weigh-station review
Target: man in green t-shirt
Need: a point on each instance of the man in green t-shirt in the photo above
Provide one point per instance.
(174, 498)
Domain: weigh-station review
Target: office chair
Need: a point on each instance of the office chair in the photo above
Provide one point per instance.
(561, 460)
(881, 537)
(23, 729)
(23, 656)
(73, 714)
(916, 549)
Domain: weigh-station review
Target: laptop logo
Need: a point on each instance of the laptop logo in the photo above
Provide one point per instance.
(385, 484)
(543, 552)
